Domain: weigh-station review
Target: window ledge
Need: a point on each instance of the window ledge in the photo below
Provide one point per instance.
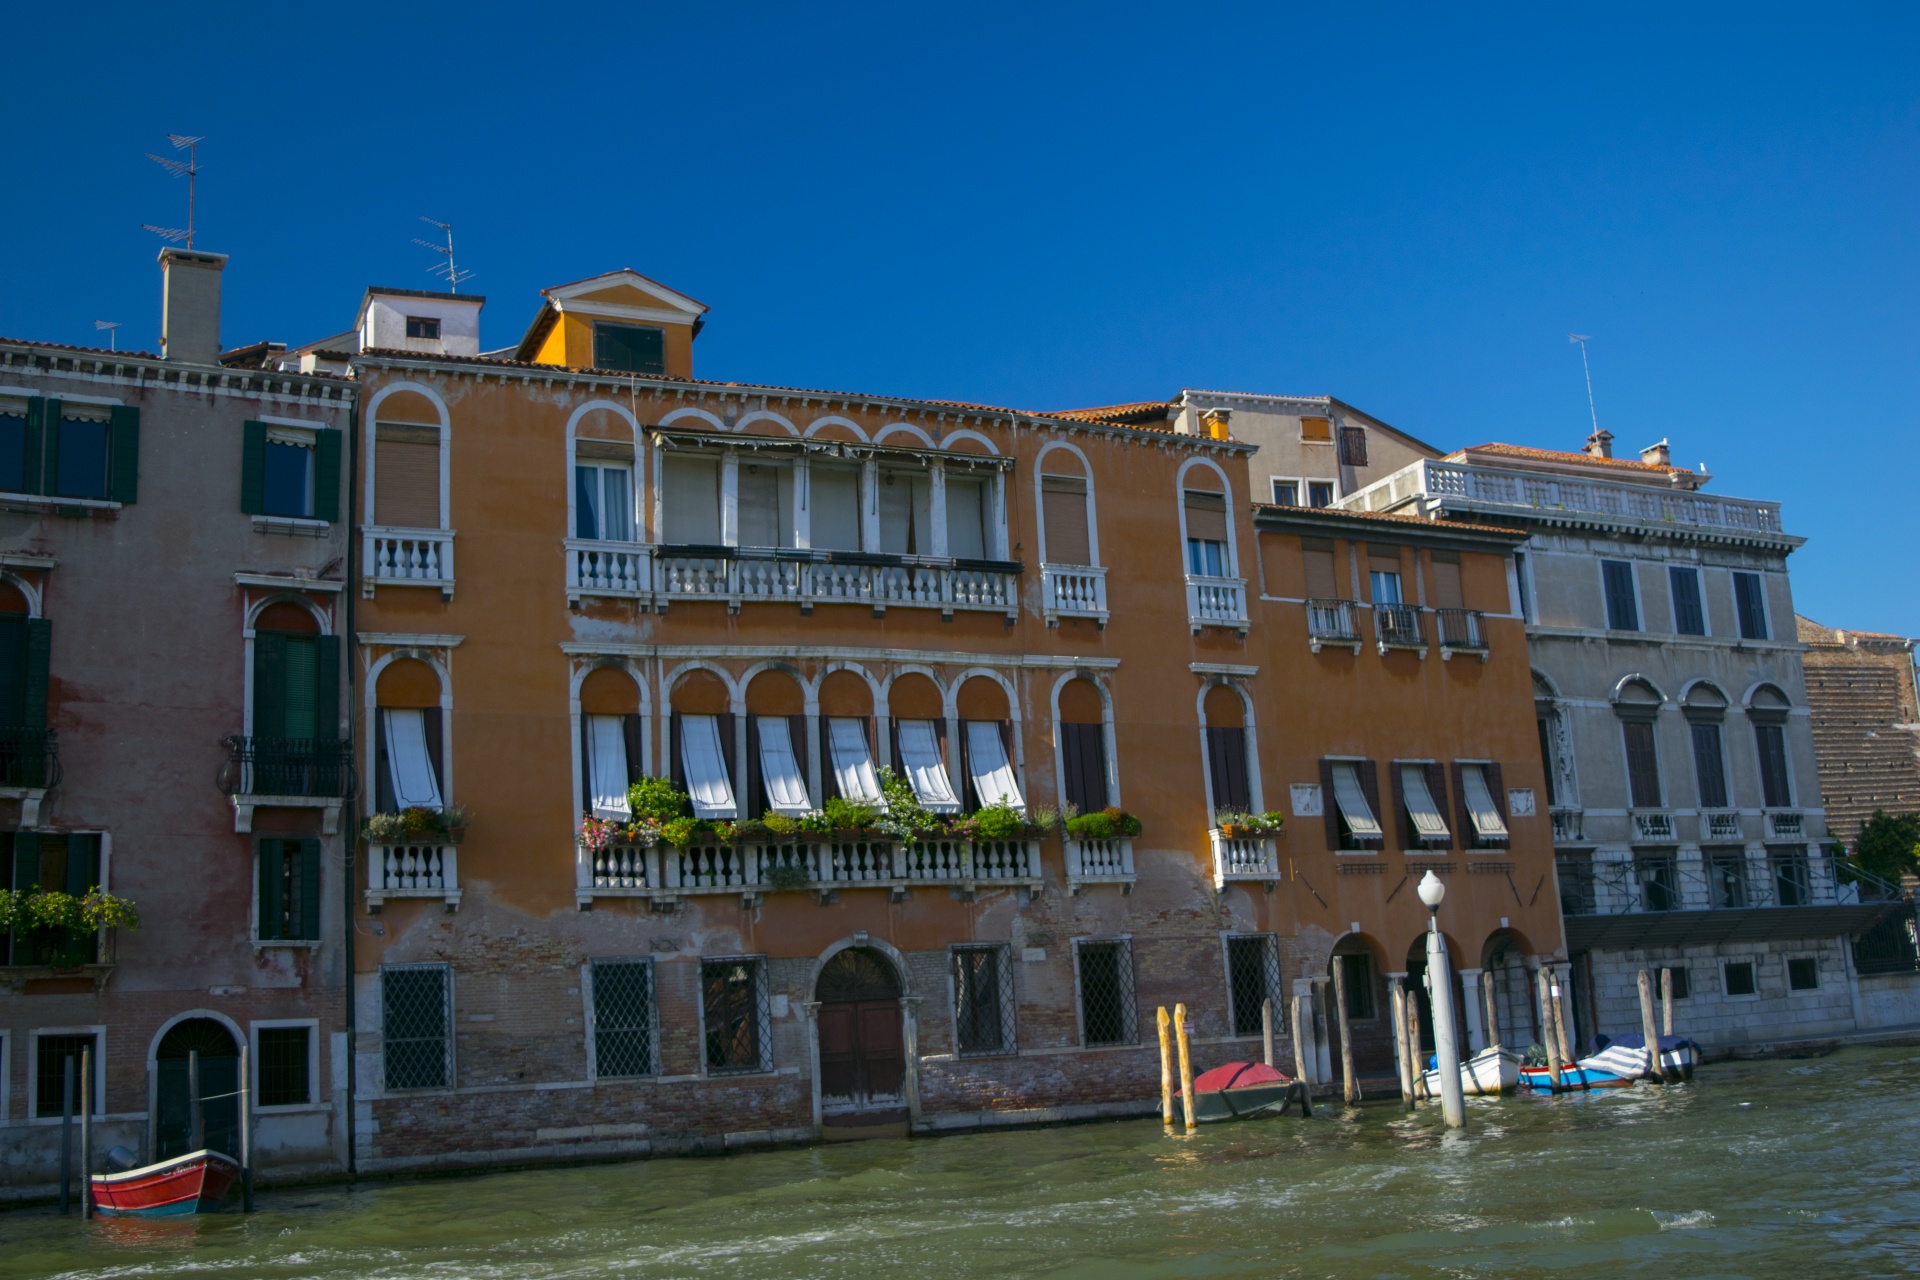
(329, 806)
(295, 944)
(42, 504)
(295, 526)
(292, 1109)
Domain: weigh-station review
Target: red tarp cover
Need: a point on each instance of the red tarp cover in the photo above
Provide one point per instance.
(1237, 1075)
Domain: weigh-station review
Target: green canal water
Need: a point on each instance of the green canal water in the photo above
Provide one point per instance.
(1787, 1168)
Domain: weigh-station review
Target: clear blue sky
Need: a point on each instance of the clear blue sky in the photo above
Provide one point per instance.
(1407, 208)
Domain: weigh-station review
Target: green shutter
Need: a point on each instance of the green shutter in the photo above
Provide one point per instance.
(36, 432)
(83, 863)
(269, 684)
(326, 689)
(50, 447)
(310, 889)
(253, 468)
(123, 454)
(273, 907)
(326, 475)
(13, 669)
(33, 692)
(26, 861)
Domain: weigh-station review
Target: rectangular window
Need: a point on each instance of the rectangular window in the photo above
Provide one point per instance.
(77, 457)
(289, 890)
(690, 501)
(906, 513)
(1803, 973)
(13, 449)
(416, 1013)
(1739, 977)
(1083, 756)
(624, 1018)
(51, 1054)
(603, 502)
(1545, 727)
(1791, 886)
(427, 327)
(833, 502)
(412, 773)
(1478, 793)
(1318, 561)
(988, 767)
(285, 1066)
(967, 507)
(1384, 586)
(1771, 740)
(1104, 973)
(1682, 985)
(736, 1015)
(1286, 493)
(1206, 515)
(608, 775)
(1750, 603)
(406, 476)
(1426, 825)
(1319, 493)
(1727, 878)
(629, 348)
(926, 769)
(60, 862)
(703, 762)
(1643, 763)
(1525, 586)
(1709, 765)
(1353, 447)
(1659, 886)
(1689, 616)
(1253, 977)
(1063, 506)
(1623, 607)
(763, 505)
(1227, 765)
(780, 773)
(1317, 430)
(1358, 826)
(1575, 871)
(1359, 976)
(286, 480)
(983, 1003)
(853, 772)
(1449, 592)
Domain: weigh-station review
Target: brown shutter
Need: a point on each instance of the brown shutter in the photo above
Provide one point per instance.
(797, 734)
(1227, 761)
(1370, 787)
(1499, 791)
(1063, 505)
(437, 749)
(586, 761)
(678, 770)
(630, 729)
(406, 477)
(1328, 808)
(1320, 581)
(829, 780)
(1437, 783)
(1462, 820)
(1447, 593)
(1206, 516)
(754, 803)
(1399, 827)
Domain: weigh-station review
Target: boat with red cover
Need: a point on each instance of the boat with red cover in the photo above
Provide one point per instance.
(1244, 1090)
(194, 1183)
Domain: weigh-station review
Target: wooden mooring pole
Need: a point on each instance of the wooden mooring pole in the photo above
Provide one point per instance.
(1420, 1089)
(1187, 1102)
(66, 1131)
(1397, 1000)
(1649, 1027)
(1166, 1069)
(1266, 1030)
(1349, 1085)
(1299, 1047)
(1493, 1009)
(246, 1135)
(1547, 1021)
(1666, 1001)
(86, 1132)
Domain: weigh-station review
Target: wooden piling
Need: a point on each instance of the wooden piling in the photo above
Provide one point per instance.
(1560, 996)
(1649, 1027)
(1266, 1029)
(196, 1112)
(1300, 1048)
(1493, 1009)
(1188, 1103)
(1166, 1069)
(1397, 1000)
(1547, 1023)
(246, 1136)
(86, 1132)
(1420, 1089)
(66, 1132)
(1666, 1001)
(1349, 1086)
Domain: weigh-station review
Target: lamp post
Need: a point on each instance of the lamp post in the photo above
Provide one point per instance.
(1453, 1103)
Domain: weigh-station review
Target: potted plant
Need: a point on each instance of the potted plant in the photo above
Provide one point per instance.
(1103, 824)
(61, 926)
(1043, 820)
(997, 822)
(1236, 825)
(453, 823)
(385, 828)
(848, 819)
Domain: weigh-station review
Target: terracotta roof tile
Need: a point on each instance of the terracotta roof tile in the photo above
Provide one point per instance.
(1559, 455)
(91, 351)
(1385, 517)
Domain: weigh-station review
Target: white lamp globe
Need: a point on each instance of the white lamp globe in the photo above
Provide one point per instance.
(1431, 891)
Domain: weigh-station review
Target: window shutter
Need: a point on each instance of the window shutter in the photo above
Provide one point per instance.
(756, 800)
(26, 860)
(1328, 808)
(1353, 447)
(13, 670)
(1398, 826)
(1065, 513)
(1227, 760)
(83, 863)
(677, 770)
(33, 696)
(797, 734)
(49, 446)
(273, 909)
(269, 684)
(1320, 581)
(253, 468)
(326, 688)
(1437, 784)
(326, 475)
(437, 748)
(1370, 786)
(630, 729)
(123, 454)
(406, 483)
(31, 459)
(1462, 819)
(1499, 789)
(1206, 516)
(310, 889)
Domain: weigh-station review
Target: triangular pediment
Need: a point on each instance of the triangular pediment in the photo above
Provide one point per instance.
(625, 294)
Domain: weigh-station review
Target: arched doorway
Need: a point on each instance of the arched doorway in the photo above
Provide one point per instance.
(1356, 956)
(219, 1089)
(1419, 991)
(863, 1061)
(1505, 957)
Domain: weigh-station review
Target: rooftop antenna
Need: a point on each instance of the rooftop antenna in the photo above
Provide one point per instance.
(191, 172)
(452, 274)
(1583, 339)
(109, 326)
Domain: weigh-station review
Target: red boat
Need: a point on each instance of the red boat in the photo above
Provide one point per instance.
(193, 1183)
(1243, 1090)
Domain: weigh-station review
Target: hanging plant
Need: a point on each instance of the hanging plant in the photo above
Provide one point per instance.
(50, 911)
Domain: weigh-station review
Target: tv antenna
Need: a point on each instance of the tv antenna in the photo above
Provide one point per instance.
(191, 172)
(1583, 339)
(109, 326)
(452, 274)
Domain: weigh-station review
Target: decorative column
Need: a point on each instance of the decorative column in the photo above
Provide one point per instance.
(1323, 1046)
(937, 509)
(812, 1009)
(910, 1037)
(1470, 1006)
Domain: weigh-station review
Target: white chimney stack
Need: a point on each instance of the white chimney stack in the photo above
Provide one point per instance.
(190, 305)
(1657, 455)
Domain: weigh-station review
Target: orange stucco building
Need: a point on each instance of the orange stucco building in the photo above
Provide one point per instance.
(572, 578)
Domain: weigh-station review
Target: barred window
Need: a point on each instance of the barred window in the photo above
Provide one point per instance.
(415, 1013)
(624, 1018)
(983, 1000)
(1791, 885)
(1359, 976)
(1104, 972)
(50, 1072)
(283, 1057)
(1253, 976)
(738, 1022)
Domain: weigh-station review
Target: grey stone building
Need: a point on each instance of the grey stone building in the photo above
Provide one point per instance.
(1674, 724)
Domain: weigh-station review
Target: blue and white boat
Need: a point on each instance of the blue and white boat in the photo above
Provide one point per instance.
(1620, 1061)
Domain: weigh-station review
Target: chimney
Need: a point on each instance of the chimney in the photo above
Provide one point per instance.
(190, 305)
(1600, 443)
(1215, 421)
(1657, 455)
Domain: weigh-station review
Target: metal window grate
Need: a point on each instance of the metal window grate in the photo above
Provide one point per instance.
(1659, 884)
(1359, 975)
(414, 1010)
(1104, 971)
(1890, 945)
(283, 1066)
(1577, 896)
(624, 1018)
(1792, 886)
(50, 1057)
(983, 1001)
(1253, 976)
(738, 1021)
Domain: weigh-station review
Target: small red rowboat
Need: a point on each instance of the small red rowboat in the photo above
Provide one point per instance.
(193, 1183)
(1243, 1090)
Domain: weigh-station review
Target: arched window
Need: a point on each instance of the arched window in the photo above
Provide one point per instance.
(1066, 510)
(987, 744)
(410, 765)
(847, 738)
(1209, 550)
(604, 509)
(611, 741)
(408, 466)
(1638, 703)
(1768, 708)
(1080, 726)
(702, 729)
(1556, 744)
(1705, 708)
(920, 746)
(777, 746)
(1230, 769)
(26, 649)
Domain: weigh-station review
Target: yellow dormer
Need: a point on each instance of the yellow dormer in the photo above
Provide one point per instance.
(620, 321)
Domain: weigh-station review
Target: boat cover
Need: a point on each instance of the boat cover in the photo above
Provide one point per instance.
(1237, 1075)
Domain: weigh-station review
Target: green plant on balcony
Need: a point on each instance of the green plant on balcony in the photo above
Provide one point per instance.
(657, 799)
(1044, 819)
(418, 825)
(63, 925)
(1235, 825)
(994, 822)
(785, 877)
(781, 826)
(842, 814)
(1103, 824)
(905, 817)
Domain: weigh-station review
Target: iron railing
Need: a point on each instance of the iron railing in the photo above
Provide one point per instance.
(29, 758)
(1461, 629)
(1397, 626)
(319, 767)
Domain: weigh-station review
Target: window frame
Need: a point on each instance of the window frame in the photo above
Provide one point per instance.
(1793, 986)
(1694, 726)
(1270, 978)
(1675, 572)
(34, 1034)
(307, 442)
(763, 1027)
(315, 1101)
(590, 1015)
(611, 326)
(260, 940)
(1332, 490)
(1652, 725)
(424, 323)
(1638, 622)
(1753, 979)
(450, 1067)
(1005, 991)
(1763, 732)
(1761, 604)
(1298, 483)
(1129, 997)
(604, 469)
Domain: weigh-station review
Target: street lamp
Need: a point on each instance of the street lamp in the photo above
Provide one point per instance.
(1453, 1102)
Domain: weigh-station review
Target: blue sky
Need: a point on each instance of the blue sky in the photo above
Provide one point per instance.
(1405, 207)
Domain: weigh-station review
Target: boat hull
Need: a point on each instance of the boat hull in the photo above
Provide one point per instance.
(1617, 1066)
(1490, 1071)
(1242, 1091)
(194, 1183)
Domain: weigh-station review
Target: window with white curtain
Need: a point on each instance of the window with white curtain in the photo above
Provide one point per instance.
(1352, 801)
(607, 766)
(966, 517)
(833, 507)
(780, 768)
(1481, 809)
(703, 761)
(603, 502)
(853, 770)
(906, 512)
(920, 758)
(764, 504)
(690, 491)
(410, 767)
(988, 766)
(1428, 824)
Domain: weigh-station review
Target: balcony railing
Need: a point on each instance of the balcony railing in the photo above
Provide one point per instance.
(1721, 825)
(619, 569)
(1331, 622)
(1243, 858)
(1461, 631)
(408, 558)
(1108, 861)
(751, 870)
(1653, 826)
(1073, 591)
(29, 758)
(307, 767)
(741, 574)
(1397, 626)
(1569, 826)
(1785, 826)
(413, 871)
(1217, 602)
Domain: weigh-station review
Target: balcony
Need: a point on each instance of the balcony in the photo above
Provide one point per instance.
(1721, 825)
(1653, 827)
(1241, 858)
(1785, 826)
(407, 558)
(1397, 626)
(29, 764)
(1461, 631)
(1073, 591)
(1331, 622)
(287, 773)
(1569, 825)
(740, 574)
(668, 873)
(413, 871)
(620, 570)
(1107, 861)
(1217, 602)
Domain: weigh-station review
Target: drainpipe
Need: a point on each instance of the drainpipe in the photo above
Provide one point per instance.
(351, 805)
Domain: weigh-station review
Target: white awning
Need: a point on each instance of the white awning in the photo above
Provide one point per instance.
(780, 768)
(920, 758)
(1420, 806)
(704, 762)
(1480, 806)
(409, 767)
(1353, 801)
(987, 763)
(607, 766)
(853, 769)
